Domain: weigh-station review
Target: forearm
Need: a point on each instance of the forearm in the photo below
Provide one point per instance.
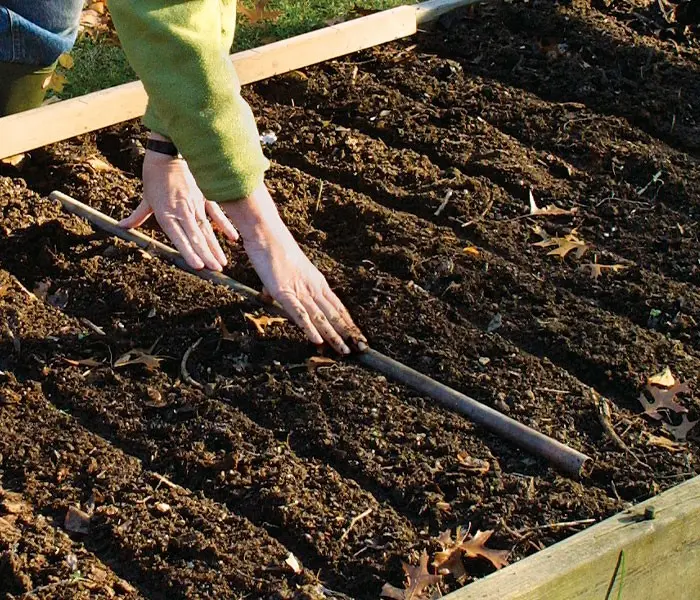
(194, 94)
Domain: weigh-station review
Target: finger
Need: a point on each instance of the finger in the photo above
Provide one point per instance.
(221, 221)
(138, 217)
(211, 240)
(295, 309)
(199, 244)
(340, 318)
(177, 236)
(324, 326)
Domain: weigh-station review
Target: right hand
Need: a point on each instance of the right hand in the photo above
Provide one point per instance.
(288, 276)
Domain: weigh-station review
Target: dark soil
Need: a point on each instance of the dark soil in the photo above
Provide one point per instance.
(388, 165)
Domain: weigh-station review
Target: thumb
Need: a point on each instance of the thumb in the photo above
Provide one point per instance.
(138, 217)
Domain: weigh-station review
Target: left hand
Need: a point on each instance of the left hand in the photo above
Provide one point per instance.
(172, 195)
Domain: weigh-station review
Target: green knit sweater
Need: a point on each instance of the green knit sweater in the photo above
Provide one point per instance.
(180, 49)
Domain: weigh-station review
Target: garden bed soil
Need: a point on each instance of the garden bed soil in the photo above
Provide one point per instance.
(406, 172)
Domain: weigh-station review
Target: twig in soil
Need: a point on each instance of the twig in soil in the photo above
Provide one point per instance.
(656, 177)
(318, 199)
(444, 202)
(96, 328)
(520, 537)
(354, 522)
(605, 418)
(186, 377)
(167, 483)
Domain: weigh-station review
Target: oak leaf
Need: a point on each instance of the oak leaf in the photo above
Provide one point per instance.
(680, 432)
(449, 560)
(417, 580)
(663, 400)
(262, 322)
(259, 12)
(597, 269)
(665, 379)
(550, 210)
(562, 245)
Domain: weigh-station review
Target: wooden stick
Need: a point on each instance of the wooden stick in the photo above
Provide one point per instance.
(563, 457)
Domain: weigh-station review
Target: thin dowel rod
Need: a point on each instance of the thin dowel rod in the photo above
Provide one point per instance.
(566, 459)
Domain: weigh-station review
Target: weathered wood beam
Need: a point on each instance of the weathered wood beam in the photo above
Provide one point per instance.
(659, 540)
(55, 122)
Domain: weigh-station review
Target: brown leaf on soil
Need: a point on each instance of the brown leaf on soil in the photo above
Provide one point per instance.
(417, 580)
(473, 465)
(550, 210)
(662, 400)
(316, 362)
(259, 12)
(680, 432)
(262, 322)
(138, 357)
(665, 379)
(562, 245)
(449, 559)
(293, 563)
(663, 442)
(77, 520)
(86, 362)
(597, 269)
(224, 332)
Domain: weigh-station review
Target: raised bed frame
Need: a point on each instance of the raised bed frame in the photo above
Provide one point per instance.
(647, 552)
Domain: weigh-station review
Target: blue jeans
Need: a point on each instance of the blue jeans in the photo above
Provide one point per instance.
(37, 32)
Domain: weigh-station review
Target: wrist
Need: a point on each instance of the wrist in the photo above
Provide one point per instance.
(256, 216)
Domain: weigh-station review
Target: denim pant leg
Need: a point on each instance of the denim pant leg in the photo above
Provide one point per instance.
(37, 32)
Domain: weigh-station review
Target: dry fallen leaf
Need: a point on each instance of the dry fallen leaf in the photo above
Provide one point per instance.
(472, 250)
(293, 563)
(57, 82)
(663, 400)
(259, 12)
(417, 580)
(97, 164)
(138, 357)
(77, 520)
(663, 442)
(563, 245)
(14, 161)
(316, 362)
(597, 269)
(473, 465)
(550, 210)
(262, 322)
(665, 379)
(680, 432)
(449, 560)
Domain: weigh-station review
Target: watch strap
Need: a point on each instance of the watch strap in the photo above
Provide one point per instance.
(162, 147)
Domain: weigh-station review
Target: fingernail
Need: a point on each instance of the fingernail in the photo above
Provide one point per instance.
(362, 346)
(345, 350)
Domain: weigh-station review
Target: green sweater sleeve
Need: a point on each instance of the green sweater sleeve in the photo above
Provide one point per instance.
(179, 49)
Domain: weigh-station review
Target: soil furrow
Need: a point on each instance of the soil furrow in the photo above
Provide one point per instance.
(574, 53)
(398, 179)
(303, 503)
(39, 558)
(164, 540)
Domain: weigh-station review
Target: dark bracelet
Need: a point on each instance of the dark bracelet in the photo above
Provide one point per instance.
(162, 147)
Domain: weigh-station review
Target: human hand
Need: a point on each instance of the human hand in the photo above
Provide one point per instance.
(288, 275)
(172, 195)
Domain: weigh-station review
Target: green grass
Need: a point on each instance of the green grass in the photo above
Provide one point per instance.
(102, 65)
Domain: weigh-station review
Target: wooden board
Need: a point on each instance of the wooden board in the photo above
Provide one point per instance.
(661, 558)
(55, 122)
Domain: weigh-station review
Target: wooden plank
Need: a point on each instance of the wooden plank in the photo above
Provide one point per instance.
(661, 557)
(429, 11)
(55, 122)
